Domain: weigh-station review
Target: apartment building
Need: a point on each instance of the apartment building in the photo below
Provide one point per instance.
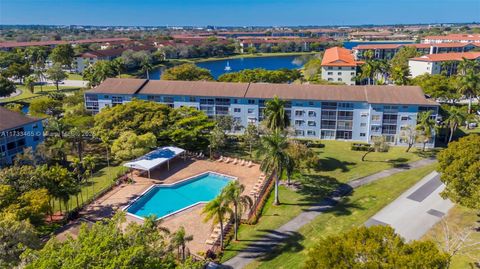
(339, 65)
(451, 38)
(387, 51)
(17, 132)
(352, 113)
(437, 63)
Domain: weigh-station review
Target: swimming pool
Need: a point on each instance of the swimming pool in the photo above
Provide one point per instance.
(165, 200)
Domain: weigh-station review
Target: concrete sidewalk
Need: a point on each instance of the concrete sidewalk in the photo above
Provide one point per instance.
(289, 229)
(416, 210)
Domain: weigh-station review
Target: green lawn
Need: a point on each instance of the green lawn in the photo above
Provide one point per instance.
(458, 218)
(338, 165)
(74, 76)
(101, 180)
(38, 91)
(352, 211)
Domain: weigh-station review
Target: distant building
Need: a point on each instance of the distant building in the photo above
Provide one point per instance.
(387, 51)
(436, 63)
(339, 65)
(257, 42)
(351, 113)
(8, 45)
(452, 38)
(86, 59)
(17, 132)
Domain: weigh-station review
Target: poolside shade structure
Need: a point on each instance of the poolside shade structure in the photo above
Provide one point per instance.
(155, 158)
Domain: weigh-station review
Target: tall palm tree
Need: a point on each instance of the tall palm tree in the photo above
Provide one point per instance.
(426, 127)
(233, 194)
(455, 118)
(216, 210)
(274, 156)
(275, 114)
(466, 65)
(469, 86)
(146, 68)
(180, 240)
(88, 163)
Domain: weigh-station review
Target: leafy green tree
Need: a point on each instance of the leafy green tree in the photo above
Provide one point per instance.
(217, 139)
(275, 116)
(400, 74)
(216, 210)
(18, 71)
(261, 75)
(146, 67)
(438, 86)
(180, 240)
(16, 237)
(273, 152)
(459, 168)
(233, 194)
(250, 137)
(56, 74)
(107, 244)
(425, 128)
(312, 70)
(30, 83)
(188, 128)
(63, 55)
(374, 247)
(129, 145)
(138, 116)
(14, 107)
(21, 178)
(187, 72)
(403, 55)
(300, 157)
(98, 72)
(6, 87)
(469, 86)
(59, 182)
(45, 106)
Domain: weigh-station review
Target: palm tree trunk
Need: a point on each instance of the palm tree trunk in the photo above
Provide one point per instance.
(454, 127)
(277, 179)
(221, 233)
(236, 220)
(183, 252)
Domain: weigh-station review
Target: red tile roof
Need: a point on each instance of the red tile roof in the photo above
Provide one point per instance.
(114, 52)
(443, 57)
(338, 56)
(457, 37)
(419, 46)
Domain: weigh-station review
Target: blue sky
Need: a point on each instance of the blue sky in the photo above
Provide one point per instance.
(236, 12)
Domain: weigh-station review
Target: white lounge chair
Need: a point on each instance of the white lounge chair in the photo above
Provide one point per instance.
(228, 160)
(235, 161)
(220, 159)
(250, 164)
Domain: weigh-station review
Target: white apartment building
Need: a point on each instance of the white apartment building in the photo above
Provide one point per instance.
(339, 65)
(436, 63)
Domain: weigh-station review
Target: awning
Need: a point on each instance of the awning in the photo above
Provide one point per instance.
(154, 158)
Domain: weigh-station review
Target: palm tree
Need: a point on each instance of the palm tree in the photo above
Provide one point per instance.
(466, 65)
(275, 115)
(30, 83)
(147, 67)
(233, 194)
(180, 239)
(455, 118)
(426, 127)
(88, 163)
(274, 156)
(216, 210)
(290, 166)
(40, 77)
(78, 171)
(469, 86)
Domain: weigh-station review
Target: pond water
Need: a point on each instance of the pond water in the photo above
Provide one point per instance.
(219, 67)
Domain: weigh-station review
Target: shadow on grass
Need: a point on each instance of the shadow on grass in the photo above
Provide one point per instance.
(331, 164)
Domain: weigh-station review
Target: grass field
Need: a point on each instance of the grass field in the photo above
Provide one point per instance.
(353, 211)
(100, 181)
(73, 76)
(458, 219)
(338, 165)
(27, 96)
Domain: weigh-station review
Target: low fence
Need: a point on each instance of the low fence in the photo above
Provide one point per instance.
(259, 201)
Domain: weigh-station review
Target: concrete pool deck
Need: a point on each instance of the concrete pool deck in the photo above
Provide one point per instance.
(191, 218)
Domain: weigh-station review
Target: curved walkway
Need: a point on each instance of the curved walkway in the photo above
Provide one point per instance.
(275, 237)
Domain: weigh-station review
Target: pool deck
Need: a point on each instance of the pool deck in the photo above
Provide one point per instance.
(191, 219)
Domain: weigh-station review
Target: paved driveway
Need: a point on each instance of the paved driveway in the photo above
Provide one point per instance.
(416, 210)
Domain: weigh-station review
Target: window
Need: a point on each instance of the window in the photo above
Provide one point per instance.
(339, 73)
(330, 73)
(311, 103)
(312, 113)
(299, 133)
(376, 128)
(345, 115)
(345, 105)
(404, 118)
(330, 68)
(117, 99)
(330, 79)
(312, 123)
(250, 110)
(363, 124)
(363, 134)
(364, 115)
(344, 135)
(299, 122)
(311, 133)
(376, 117)
(327, 134)
(252, 120)
(299, 113)
(352, 73)
(237, 110)
(251, 101)
(339, 79)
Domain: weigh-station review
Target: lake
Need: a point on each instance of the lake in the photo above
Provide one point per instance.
(217, 67)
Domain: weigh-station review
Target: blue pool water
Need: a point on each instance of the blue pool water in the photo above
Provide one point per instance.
(217, 67)
(163, 200)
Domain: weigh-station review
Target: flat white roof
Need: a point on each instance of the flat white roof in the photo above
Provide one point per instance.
(154, 158)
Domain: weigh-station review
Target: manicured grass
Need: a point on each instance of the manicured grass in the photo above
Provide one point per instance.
(38, 91)
(74, 76)
(100, 181)
(350, 212)
(458, 219)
